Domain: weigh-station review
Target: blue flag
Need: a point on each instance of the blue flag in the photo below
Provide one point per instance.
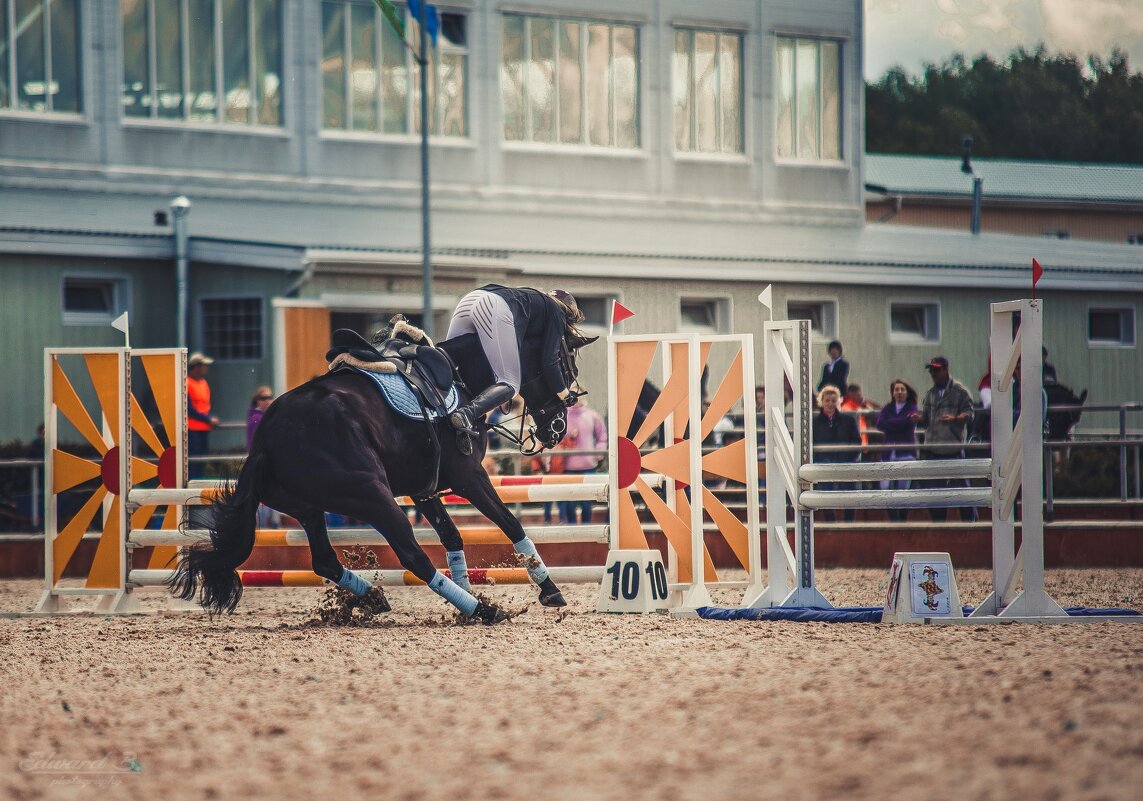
(432, 19)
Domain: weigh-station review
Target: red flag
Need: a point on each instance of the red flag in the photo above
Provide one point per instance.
(619, 312)
(1037, 271)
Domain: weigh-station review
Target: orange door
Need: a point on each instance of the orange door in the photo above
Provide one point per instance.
(302, 329)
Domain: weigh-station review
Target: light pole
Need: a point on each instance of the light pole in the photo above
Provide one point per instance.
(426, 239)
(180, 210)
(977, 184)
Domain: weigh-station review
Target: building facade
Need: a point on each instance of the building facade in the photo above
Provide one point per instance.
(675, 156)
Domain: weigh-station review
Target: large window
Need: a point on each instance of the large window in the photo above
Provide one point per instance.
(570, 82)
(232, 328)
(372, 82)
(39, 55)
(1111, 326)
(707, 69)
(809, 100)
(210, 61)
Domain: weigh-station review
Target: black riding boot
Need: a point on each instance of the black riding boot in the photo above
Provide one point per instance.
(464, 419)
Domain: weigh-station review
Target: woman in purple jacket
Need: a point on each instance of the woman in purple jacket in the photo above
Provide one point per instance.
(901, 432)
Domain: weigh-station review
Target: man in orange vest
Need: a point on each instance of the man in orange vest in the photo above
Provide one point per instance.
(200, 421)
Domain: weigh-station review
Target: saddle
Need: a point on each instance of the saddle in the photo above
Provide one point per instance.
(409, 352)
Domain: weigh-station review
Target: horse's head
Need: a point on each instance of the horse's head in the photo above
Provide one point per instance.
(1062, 421)
(548, 410)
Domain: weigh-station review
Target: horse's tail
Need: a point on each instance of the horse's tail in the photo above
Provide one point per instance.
(214, 566)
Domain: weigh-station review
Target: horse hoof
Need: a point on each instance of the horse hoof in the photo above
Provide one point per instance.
(490, 615)
(550, 594)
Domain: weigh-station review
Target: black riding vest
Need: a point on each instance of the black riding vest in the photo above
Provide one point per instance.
(539, 322)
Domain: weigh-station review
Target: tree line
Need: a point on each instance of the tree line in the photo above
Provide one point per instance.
(1029, 106)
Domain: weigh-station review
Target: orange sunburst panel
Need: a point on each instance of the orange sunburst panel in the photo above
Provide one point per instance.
(72, 408)
(70, 471)
(104, 369)
(631, 536)
(632, 362)
(163, 375)
(727, 394)
(142, 427)
(680, 365)
(65, 543)
(675, 393)
(142, 470)
(729, 461)
(676, 529)
(683, 505)
(733, 530)
(673, 461)
(106, 567)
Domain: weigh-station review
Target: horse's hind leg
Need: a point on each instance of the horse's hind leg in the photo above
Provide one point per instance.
(435, 512)
(324, 559)
(481, 494)
(390, 519)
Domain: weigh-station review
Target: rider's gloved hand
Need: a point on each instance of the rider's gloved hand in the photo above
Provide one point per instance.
(568, 397)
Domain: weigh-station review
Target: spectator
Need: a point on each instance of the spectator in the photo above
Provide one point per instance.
(259, 402)
(855, 401)
(586, 431)
(896, 422)
(831, 427)
(835, 372)
(1049, 375)
(200, 422)
(946, 413)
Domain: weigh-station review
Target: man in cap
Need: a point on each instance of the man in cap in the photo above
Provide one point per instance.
(200, 421)
(946, 413)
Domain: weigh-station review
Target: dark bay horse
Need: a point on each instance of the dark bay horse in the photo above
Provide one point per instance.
(332, 445)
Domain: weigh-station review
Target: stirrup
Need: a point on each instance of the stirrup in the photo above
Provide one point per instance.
(464, 443)
(462, 421)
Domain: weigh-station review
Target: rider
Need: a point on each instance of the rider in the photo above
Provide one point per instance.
(505, 319)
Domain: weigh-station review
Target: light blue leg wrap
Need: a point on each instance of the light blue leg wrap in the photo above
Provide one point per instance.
(446, 588)
(537, 570)
(458, 569)
(353, 582)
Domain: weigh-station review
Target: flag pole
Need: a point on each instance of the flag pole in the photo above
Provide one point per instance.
(426, 235)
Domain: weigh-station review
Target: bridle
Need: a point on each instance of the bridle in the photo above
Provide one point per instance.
(549, 422)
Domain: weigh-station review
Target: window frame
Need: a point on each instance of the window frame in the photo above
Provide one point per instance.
(585, 143)
(932, 309)
(723, 311)
(219, 353)
(120, 298)
(8, 52)
(219, 118)
(721, 152)
(412, 106)
(830, 311)
(1121, 343)
(794, 159)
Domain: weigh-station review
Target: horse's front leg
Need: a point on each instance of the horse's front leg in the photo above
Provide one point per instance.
(482, 495)
(434, 511)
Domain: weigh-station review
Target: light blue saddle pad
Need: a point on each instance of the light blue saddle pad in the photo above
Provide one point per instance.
(399, 395)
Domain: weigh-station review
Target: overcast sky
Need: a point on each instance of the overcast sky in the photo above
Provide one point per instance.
(911, 32)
